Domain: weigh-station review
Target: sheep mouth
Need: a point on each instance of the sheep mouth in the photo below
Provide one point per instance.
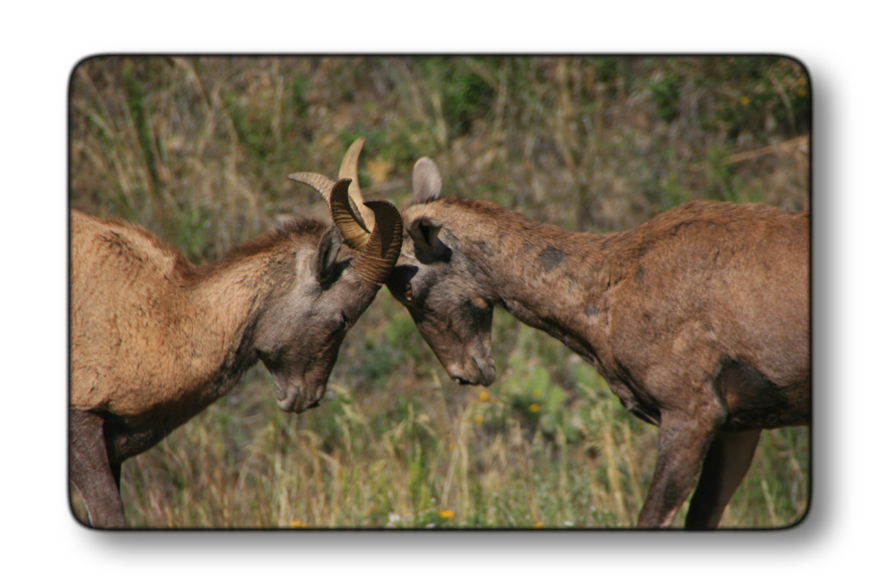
(296, 403)
(479, 371)
(292, 398)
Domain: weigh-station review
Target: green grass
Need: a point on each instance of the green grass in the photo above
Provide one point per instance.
(198, 151)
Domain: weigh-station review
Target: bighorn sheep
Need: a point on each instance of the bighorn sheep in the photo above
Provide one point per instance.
(154, 339)
(698, 319)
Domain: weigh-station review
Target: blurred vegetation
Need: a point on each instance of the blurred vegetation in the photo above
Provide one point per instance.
(198, 149)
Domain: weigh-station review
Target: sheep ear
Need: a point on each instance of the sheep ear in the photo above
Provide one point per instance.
(324, 260)
(427, 182)
(424, 231)
(425, 234)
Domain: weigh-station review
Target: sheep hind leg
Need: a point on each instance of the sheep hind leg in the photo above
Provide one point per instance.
(91, 471)
(724, 467)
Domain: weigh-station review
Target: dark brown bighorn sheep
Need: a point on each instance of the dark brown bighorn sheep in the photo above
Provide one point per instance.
(698, 319)
(155, 339)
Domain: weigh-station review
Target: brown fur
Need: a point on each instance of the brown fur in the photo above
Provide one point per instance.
(132, 293)
(698, 319)
(154, 339)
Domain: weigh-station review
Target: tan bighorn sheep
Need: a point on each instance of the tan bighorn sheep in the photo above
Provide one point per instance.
(155, 339)
(699, 319)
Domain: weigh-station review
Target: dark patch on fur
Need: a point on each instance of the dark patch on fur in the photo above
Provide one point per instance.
(471, 267)
(591, 310)
(640, 274)
(550, 258)
(121, 247)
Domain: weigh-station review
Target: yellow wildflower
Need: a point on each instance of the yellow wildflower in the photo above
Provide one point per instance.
(744, 100)
(298, 525)
(484, 396)
(534, 407)
(538, 524)
(478, 419)
(446, 514)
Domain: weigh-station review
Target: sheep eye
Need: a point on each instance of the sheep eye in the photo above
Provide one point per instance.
(407, 292)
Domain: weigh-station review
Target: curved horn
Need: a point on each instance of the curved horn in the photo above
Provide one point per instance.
(353, 232)
(348, 168)
(352, 228)
(376, 261)
(322, 184)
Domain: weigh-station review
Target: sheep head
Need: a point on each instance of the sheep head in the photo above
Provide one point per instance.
(299, 336)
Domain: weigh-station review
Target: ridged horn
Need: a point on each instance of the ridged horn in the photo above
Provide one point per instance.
(348, 168)
(350, 223)
(322, 184)
(377, 259)
(353, 232)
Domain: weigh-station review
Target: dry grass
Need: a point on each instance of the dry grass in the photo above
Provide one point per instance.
(198, 150)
